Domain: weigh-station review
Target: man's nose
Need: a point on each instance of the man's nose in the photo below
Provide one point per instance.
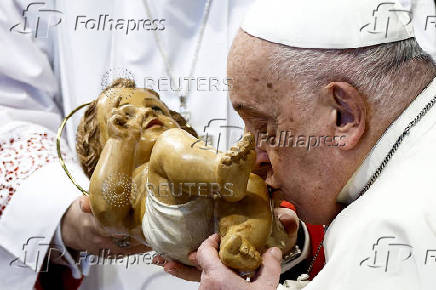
(261, 156)
(262, 163)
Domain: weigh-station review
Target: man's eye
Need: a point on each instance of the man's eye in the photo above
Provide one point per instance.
(271, 129)
(262, 129)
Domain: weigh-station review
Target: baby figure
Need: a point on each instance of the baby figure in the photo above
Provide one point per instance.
(153, 180)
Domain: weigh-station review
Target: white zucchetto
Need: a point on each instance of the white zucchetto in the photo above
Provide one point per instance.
(334, 24)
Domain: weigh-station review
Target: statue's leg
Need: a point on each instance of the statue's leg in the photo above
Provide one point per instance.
(245, 227)
(192, 168)
(234, 168)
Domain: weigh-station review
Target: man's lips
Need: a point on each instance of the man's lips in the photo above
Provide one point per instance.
(278, 195)
(153, 122)
(271, 189)
(275, 191)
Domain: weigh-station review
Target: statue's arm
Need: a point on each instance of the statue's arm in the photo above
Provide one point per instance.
(111, 182)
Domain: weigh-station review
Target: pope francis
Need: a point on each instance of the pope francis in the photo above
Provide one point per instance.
(352, 69)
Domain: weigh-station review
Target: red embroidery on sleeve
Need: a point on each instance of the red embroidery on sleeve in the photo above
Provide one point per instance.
(20, 156)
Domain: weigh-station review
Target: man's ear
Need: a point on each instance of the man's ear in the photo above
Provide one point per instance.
(349, 115)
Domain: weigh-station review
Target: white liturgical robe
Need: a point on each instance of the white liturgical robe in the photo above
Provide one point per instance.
(386, 239)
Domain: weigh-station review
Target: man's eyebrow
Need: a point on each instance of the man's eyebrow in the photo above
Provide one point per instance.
(248, 109)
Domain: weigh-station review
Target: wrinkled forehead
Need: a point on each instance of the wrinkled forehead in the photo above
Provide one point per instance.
(254, 83)
(249, 56)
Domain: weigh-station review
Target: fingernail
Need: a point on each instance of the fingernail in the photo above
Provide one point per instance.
(275, 252)
(157, 261)
(170, 271)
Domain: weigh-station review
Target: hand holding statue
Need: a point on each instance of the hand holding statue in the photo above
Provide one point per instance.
(81, 231)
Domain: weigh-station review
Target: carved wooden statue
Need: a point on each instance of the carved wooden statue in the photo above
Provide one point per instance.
(154, 181)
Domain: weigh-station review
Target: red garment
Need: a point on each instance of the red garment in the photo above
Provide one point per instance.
(58, 277)
(316, 234)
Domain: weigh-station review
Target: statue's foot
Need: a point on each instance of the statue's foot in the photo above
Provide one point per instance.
(237, 253)
(234, 169)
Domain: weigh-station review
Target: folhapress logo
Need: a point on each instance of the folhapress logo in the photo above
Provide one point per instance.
(38, 20)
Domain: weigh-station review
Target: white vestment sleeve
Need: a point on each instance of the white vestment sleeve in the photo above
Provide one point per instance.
(59, 245)
(39, 194)
(29, 90)
(34, 191)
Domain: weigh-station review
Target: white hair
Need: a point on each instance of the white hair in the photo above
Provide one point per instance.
(383, 72)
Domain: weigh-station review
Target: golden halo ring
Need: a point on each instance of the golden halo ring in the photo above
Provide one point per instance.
(58, 147)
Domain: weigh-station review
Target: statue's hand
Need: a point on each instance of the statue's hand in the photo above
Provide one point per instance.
(126, 122)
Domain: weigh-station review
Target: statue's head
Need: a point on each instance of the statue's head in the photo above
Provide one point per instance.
(93, 129)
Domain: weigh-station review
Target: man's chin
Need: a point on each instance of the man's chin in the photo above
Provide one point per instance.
(278, 195)
(317, 215)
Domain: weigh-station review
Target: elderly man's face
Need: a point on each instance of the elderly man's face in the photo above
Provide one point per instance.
(268, 104)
